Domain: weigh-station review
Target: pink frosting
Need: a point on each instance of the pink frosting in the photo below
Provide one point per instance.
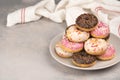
(101, 30)
(109, 52)
(71, 45)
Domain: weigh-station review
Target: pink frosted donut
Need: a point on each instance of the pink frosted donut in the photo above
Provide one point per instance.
(101, 31)
(109, 53)
(95, 46)
(70, 46)
(60, 52)
(76, 35)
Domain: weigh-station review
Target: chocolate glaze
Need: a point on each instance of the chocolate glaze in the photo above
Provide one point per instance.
(83, 58)
(87, 20)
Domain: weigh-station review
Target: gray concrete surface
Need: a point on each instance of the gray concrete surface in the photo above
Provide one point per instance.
(24, 51)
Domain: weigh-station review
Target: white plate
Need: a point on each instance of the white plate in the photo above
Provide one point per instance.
(99, 65)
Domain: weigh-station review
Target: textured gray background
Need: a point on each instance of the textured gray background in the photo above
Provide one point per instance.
(24, 51)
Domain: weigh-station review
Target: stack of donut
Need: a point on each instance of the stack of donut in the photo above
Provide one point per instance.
(86, 42)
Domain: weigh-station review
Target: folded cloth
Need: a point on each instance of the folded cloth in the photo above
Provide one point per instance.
(115, 26)
(28, 14)
(112, 2)
(22, 16)
(69, 10)
(72, 13)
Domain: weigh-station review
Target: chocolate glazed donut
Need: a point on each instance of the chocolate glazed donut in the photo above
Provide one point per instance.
(87, 22)
(82, 59)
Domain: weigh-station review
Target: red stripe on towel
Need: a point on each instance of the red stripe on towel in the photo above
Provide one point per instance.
(101, 8)
(119, 30)
(98, 8)
(23, 15)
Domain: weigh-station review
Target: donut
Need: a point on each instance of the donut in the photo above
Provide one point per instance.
(76, 35)
(105, 38)
(69, 46)
(95, 46)
(87, 22)
(109, 53)
(83, 59)
(60, 52)
(101, 31)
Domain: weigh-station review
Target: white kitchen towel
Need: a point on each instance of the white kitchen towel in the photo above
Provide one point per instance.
(115, 26)
(112, 2)
(67, 10)
(28, 14)
(72, 13)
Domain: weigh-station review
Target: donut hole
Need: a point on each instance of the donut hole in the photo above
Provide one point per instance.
(86, 18)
